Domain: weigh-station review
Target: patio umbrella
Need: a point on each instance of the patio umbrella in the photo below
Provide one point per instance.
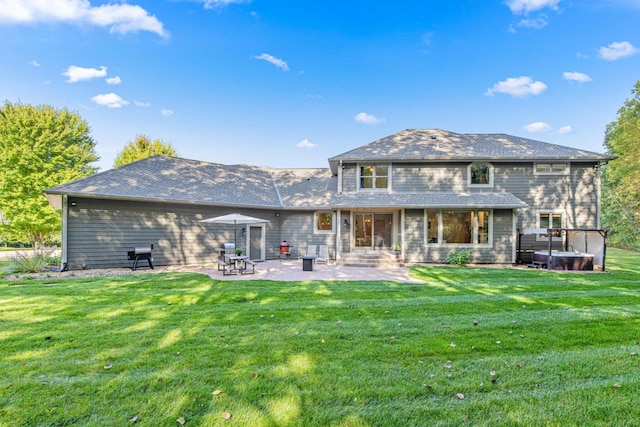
(235, 219)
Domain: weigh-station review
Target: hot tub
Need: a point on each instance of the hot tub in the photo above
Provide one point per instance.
(565, 260)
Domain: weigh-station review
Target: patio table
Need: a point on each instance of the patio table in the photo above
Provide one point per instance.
(238, 262)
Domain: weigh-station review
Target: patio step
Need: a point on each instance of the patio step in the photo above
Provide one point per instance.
(370, 260)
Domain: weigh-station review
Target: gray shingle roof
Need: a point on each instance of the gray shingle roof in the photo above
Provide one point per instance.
(433, 199)
(306, 188)
(161, 178)
(436, 144)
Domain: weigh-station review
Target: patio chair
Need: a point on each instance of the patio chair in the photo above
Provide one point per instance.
(312, 250)
(323, 254)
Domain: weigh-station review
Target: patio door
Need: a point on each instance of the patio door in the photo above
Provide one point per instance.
(256, 242)
(373, 231)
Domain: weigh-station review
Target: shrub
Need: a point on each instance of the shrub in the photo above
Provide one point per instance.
(459, 257)
(34, 262)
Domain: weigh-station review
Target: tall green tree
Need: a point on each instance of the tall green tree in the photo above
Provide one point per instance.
(141, 148)
(40, 147)
(621, 177)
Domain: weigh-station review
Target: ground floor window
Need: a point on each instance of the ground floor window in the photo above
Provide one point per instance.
(324, 222)
(459, 227)
(553, 219)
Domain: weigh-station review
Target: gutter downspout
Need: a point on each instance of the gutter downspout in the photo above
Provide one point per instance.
(64, 261)
(338, 233)
(340, 177)
(598, 195)
(339, 215)
(514, 237)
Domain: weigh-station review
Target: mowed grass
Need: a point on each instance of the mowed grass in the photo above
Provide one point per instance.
(471, 346)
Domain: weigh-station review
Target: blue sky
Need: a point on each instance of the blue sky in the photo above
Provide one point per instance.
(291, 83)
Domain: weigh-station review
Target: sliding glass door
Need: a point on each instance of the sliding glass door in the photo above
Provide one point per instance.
(373, 230)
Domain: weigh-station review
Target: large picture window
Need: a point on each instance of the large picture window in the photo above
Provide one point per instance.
(480, 174)
(459, 227)
(374, 177)
(324, 222)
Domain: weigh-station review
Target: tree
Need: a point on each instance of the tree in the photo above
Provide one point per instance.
(142, 148)
(40, 147)
(621, 177)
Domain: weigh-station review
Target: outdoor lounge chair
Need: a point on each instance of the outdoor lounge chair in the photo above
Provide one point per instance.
(323, 254)
(312, 250)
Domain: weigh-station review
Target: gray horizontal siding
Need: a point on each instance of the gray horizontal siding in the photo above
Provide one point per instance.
(414, 178)
(101, 232)
(349, 178)
(576, 194)
(297, 230)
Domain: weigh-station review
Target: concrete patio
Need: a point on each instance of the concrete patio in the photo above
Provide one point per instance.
(291, 270)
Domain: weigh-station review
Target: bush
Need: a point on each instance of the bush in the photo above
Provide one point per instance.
(34, 262)
(459, 257)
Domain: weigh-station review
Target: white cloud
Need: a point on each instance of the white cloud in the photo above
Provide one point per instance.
(564, 130)
(142, 104)
(216, 4)
(535, 23)
(617, 50)
(306, 144)
(520, 7)
(576, 77)
(34, 63)
(166, 113)
(119, 18)
(110, 100)
(517, 87)
(76, 74)
(273, 60)
(367, 119)
(427, 38)
(537, 127)
(113, 80)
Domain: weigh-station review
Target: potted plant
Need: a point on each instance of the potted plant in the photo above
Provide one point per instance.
(398, 248)
(238, 252)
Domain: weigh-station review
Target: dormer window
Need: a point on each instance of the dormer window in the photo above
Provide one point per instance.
(480, 175)
(374, 177)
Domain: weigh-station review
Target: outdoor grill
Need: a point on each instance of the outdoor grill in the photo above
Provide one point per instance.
(227, 248)
(139, 253)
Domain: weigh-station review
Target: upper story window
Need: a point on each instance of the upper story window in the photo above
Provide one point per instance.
(480, 175)
(551, 168)
(324, 222)
(374, 177)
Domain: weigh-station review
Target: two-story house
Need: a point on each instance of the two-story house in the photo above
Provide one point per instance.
(426, 191)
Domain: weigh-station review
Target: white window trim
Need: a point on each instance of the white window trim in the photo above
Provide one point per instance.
(475, 243)
(566, 171)
(491, 174)
(539, 237)
(386, 189)
(333, 222)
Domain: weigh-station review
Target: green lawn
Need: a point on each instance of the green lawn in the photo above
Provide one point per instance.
(469, 347)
